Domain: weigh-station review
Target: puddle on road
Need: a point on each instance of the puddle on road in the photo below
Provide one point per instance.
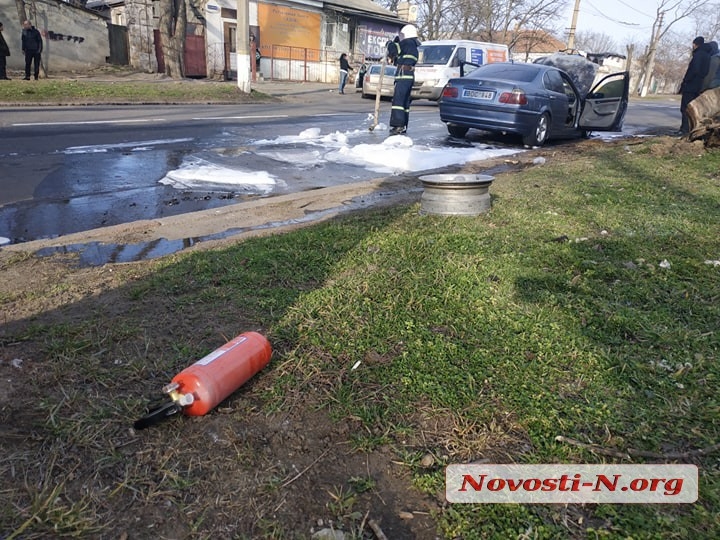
(98, 253)
(164, 178)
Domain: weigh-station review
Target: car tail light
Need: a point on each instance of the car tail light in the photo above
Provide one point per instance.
(450, 91)
(516, 97)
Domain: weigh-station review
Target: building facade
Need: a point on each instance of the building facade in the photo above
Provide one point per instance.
(299, 40)
(74, 39)
(295, 39)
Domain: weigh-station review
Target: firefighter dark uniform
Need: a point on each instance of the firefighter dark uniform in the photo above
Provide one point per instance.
(404, 79)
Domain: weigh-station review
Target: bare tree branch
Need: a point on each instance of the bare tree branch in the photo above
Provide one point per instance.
(595, 42)
(486, 20)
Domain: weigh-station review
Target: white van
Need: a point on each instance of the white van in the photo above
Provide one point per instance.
(441, 60)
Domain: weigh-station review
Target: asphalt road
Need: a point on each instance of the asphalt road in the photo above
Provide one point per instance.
(68, 169)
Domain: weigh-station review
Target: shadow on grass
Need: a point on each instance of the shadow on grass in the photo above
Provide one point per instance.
(82, 371)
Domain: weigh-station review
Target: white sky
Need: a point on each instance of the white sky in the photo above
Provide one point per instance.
(624, 20)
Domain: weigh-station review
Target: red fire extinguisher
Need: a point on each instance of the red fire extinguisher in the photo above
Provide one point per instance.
(199, 388)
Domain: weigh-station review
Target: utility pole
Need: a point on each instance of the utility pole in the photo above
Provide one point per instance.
(573, 26)
(243, 45)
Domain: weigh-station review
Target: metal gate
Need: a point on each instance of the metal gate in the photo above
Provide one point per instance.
(194, 57)
(119, 47)
(195, 65)
(302, 64)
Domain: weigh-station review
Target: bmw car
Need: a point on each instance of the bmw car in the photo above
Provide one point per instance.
(536, 101)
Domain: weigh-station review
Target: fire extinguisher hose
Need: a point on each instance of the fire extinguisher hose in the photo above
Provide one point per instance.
(157, 414)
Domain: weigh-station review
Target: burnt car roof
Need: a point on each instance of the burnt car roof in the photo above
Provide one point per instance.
(581, 70)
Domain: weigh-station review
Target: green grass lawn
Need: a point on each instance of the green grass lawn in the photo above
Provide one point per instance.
(583, 305)
(73, 91)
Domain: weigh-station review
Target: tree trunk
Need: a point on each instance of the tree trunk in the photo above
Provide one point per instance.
(172, 23)
(22, 15)
(657, 34)
(677, 10)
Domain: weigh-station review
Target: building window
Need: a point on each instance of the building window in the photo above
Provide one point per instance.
(329, 34)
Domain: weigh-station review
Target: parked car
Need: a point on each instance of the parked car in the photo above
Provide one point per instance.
(538, 102)
(372, 79)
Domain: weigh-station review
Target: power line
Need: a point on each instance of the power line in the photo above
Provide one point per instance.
(635, 9)
(635, 26)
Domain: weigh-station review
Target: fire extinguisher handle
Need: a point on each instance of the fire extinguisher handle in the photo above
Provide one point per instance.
(157, 415)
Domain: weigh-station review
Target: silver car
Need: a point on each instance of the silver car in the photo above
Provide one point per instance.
(372, 79)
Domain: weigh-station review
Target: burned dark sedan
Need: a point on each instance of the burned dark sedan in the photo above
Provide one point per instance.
(536, 101)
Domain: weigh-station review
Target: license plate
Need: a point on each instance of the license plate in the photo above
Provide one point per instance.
(478, 94)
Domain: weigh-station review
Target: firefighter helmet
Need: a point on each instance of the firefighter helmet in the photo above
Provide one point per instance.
(409, 31)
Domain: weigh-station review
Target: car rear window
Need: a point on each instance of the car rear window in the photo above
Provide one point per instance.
(512, 72)
(375, 70)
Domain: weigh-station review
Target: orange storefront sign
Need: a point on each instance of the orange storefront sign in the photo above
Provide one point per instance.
(496, 55)
(291, 31)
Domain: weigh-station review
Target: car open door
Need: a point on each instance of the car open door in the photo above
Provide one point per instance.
(605, 106)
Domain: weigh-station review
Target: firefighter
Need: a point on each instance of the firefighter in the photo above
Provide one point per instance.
(404, 79)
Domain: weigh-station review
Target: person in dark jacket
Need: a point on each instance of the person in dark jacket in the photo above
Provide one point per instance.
(32, 46)
(4, 53)
(345, 69)
(712, 79)
(361, 75)
(393, 50)
(404, 79)
(692, 82)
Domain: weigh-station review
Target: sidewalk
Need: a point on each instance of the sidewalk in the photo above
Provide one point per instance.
(285, 89)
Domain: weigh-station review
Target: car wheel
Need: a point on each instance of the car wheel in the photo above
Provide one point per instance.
(457, 131)
(539, 135)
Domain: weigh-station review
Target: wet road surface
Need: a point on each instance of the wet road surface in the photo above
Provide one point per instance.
(61, 188)
(71, 174)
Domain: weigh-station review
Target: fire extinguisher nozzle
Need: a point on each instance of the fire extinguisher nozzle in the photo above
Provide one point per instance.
(157, 415)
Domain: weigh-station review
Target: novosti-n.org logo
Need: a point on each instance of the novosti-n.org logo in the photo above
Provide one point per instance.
(642, 484)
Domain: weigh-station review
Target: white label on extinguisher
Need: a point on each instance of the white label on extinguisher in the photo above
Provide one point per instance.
(204, 361)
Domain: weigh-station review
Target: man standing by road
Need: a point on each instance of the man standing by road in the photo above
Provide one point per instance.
(712, 79)
(4, 53)
(404, 79)
(691, 85)
(32, 46)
